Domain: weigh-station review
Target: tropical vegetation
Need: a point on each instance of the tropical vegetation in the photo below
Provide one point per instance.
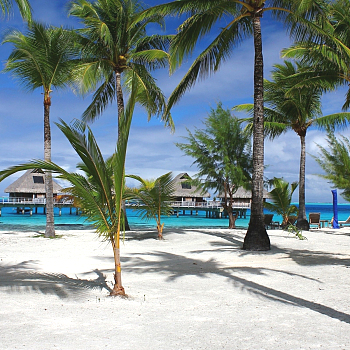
(335, 161)
(223, 156)
(280, 200)
(293, 106)
(43, 58)
(23, 6)
(154, 198)
(100, 191)
(239, 19)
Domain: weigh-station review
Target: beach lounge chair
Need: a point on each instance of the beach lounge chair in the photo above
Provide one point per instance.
(269, 224)
(314, 219)
(346, 222)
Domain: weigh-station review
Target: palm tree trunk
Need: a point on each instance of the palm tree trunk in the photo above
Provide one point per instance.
(50, 226)
(120, 102)
(302, 222)
(118, 288)
(256, 237)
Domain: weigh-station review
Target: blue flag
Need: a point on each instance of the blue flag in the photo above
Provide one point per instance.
(335, 209)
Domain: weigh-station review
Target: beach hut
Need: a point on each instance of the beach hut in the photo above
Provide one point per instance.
(185, 192)
(243, 196)
(31, 186)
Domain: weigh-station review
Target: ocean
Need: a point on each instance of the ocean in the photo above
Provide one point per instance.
(12, 221)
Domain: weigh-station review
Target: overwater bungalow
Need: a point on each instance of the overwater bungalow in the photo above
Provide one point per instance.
(243, 197)
(31, 186)
(185, 192)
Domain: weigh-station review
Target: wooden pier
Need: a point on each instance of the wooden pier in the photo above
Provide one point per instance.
(24, 204)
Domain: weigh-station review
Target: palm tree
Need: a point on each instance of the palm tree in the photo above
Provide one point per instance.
(281, 199)
(241, 19)
(113, 48)
(155, 197)
(100, 192)
(297, 109)
(328, 53)
(42, 59)
(23, 6)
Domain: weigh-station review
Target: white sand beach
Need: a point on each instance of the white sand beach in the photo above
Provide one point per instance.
(195, 290)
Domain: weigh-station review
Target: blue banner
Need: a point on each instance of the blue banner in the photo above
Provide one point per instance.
(335, 209)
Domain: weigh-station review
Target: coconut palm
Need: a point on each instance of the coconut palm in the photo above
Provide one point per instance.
(42, 59)
(298, 109)
(23, 6)
(328, 53)
(238, 19)
(155, 197)
(281, 199)
(113, 47)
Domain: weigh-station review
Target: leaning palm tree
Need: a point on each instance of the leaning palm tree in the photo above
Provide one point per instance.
(240, 19)
(42, 59)
(281, 199)
(297, 109)
(23, 6)
(154, 197)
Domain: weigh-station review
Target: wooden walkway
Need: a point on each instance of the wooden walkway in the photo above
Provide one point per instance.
(32, 204)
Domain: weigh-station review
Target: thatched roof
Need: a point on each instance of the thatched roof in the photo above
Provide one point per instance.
(32, 181)
(184, 190)
(244, 194)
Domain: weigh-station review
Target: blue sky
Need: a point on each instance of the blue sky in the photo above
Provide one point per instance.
(151, 149)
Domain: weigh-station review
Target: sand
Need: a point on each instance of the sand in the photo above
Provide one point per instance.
(195, 290)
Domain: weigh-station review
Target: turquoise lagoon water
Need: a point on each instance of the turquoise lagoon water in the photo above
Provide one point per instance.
(10, 220)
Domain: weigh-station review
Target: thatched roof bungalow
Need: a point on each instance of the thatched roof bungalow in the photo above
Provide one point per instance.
(243, 196)
(185, 192)
(31, 185)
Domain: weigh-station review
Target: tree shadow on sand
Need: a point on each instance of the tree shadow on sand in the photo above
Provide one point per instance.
(23, 277)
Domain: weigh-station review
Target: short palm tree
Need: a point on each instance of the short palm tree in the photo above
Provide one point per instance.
(100, 191)
(281, 198)
(113, 47)
(154, 197)
(297, 109)
(23, 6)
(42, 59)
(237, 19)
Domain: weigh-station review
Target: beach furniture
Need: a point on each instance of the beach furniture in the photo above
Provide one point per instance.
(315, 219)
(269, 224)
(346, 222)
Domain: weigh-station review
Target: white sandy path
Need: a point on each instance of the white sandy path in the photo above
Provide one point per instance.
(195, 290)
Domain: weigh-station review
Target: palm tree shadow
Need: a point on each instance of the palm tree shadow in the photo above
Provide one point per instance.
(23, 277)
(176, 266)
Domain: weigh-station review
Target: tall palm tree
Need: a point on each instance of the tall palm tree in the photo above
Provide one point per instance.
(42, 59)
(240, 19)
(155, 197)
(113, 47)
(23, 6)
(328, 53)
(297, 109)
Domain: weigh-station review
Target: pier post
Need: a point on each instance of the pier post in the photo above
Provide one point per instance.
(31, 211)
(22, 210)
(60, 211)
(0, 212)
(196, 212)
(70, 210)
